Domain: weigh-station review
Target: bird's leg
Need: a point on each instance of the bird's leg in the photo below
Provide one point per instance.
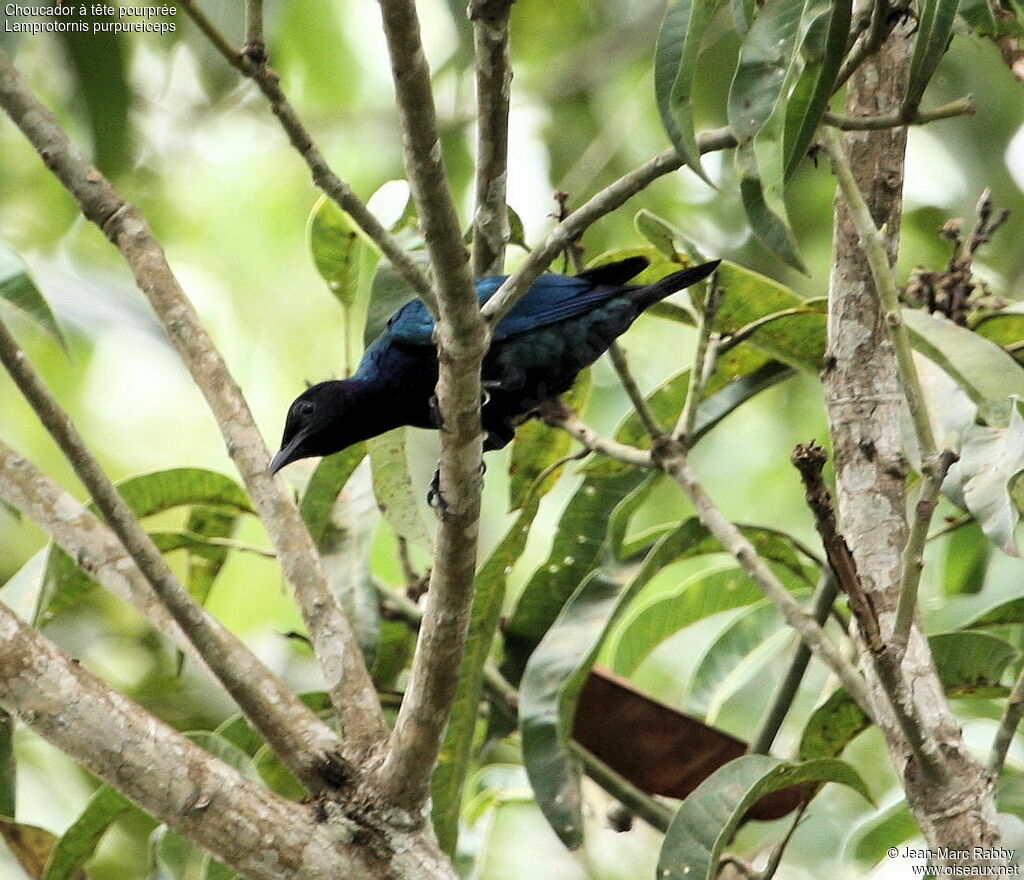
(434, 497)
(434, 406)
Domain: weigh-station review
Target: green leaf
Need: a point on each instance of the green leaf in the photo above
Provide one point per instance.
(823, 47)
(345, 546)
(277, 777)
(18, 290)
(389, 291)
(971, 663)
(979, 17)
(325, 485)
(1008, 613)
(488, 598)
(708, 818)
(661, 616)
(578, 547)
(8, 765)
(734, 657)
(987, 373)
(536, 447)
(337, 243)
(871, 841)
(516, 231)
(1004, 329)
(990, 461)
(64, 584)
(551, 684)
(78, 844)
(967, 556)
(170, 856)
(934, 28)
(968, 663)
(99, 69)
(206, 560)
(393, 487)
(675, 69)
(658, 232)
(768, 71)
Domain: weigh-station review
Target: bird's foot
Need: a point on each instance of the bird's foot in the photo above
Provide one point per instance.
(435, 413)
(553, 411)
(434, 497)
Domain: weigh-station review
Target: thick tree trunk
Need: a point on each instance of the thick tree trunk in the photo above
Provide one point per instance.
(949, 793)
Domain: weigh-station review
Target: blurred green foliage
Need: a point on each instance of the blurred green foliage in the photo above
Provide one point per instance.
(202, 156)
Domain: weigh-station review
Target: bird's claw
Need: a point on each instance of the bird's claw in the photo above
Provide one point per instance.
(434, 497)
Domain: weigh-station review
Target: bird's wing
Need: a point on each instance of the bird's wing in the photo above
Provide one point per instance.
(552, 298)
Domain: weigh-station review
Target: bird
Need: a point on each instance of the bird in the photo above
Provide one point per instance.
(560, 326)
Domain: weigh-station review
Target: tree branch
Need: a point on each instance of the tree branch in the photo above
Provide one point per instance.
(267, 704)
(959, 107)
(573, 226)
(165, 774)
(672, 460)
(493, 90)
(336, 189)
(336, 648)
(462, 341)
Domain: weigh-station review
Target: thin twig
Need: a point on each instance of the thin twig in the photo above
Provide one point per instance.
(653, 812)
(1008, 724)
(604, 202)
(643, 410)
(959, 107)
(870, 42)
(273, 710)
(672, 459)
(703, 358)
(493, 90)
(785, 693)
(255, 47)
(337, 649)
(913, 553)
(324, 177)
(556, 414)
(462, 340)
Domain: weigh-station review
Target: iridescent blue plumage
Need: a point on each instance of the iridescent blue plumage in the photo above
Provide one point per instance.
(562, 324)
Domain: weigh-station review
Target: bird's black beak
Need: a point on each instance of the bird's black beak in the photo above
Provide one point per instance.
(286, 455)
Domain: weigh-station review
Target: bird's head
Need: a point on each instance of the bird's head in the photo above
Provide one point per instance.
(321, 420)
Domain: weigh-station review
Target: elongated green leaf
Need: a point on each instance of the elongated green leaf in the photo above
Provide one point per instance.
(536, 447)
(934, 28)
(675, 69)
(325, 485)
(967, 558)
(64, 584)
(8, 765)
(205, 562)
(550, 687)
(968, 663)
(714, 677)
(392, 484)
(765, 210)
(987, 373)
(337, 245)
(78, 844)
(1004, 329)
(578, 547)
(769, 66)
(872, 840)
(100, 71)
(171, 856)
(1008, 613)
(18, 290)
(823, 48)
(698, 597)
(990, 461)
(488, 598)
(345, 546)
(708, 818)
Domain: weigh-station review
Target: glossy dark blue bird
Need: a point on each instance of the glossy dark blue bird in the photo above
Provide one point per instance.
(563, 324)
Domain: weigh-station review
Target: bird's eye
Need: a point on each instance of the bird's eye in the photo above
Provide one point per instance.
(304, 408)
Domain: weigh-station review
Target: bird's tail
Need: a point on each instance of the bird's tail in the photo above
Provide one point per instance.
(651, 293)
